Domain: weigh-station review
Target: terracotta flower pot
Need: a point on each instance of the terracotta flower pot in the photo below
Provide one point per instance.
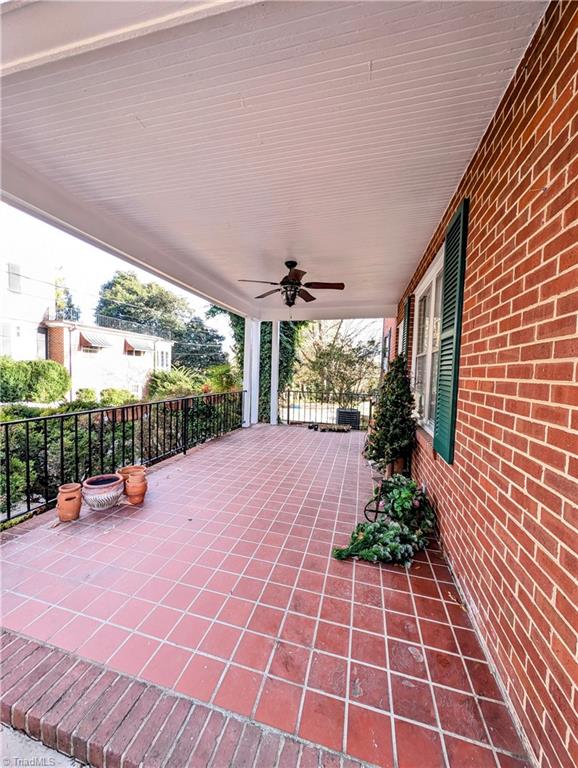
(130, 469)
(136, 487)
(68, 502)
(103, 491)
(124, 471)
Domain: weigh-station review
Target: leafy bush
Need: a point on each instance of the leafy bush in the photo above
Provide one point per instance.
(18, 411)
(49, 381)
(408, 520)
(42, 381)
(86, 395)
(14, 380)
(178, 382)
(222, 378)
(116, 397)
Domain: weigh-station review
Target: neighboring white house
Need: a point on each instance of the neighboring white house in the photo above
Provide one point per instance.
(24, 303)
(100, 358)
(96, 357)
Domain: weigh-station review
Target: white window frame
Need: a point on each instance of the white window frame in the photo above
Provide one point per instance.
(427, 283)
(400, 328)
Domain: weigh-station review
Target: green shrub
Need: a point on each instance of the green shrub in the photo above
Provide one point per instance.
(86, 395)
(14, 380)
(17, 411)
(222, 378)
(178, 382)
(49, 381)
(117, 397)
(42, 381)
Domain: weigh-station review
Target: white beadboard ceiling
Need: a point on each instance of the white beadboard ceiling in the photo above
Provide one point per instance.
(212, 141)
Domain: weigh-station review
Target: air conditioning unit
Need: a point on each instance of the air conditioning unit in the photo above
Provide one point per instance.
(349, 416)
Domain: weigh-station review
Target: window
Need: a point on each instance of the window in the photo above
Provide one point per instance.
(400, 334)
(386, 352)
(14, 278)
(135, 352)
(428, 298)
(5, 339)
(42, 343)
(89, 350)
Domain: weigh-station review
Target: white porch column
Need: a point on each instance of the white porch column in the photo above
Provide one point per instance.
(274, 412)
(251, 371)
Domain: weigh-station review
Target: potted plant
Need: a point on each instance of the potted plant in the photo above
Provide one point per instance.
(392, 437)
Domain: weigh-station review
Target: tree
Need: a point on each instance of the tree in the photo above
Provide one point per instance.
(289, 339)
(125, 297)
(393, 434)
(64, 305)
(337, 358)
(197, 346)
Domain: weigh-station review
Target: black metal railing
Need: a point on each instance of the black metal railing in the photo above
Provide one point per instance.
(106, 321)
(39, 454)
(297, 406)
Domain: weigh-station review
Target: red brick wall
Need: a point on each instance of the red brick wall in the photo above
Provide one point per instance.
(56, 344)
(507, 506)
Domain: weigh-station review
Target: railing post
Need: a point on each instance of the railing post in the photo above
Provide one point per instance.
(7, 469)
(185, 420)
(274, 393)
(288, 404)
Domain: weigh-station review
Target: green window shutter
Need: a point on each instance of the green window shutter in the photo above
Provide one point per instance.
(405, 337)
(451, 326)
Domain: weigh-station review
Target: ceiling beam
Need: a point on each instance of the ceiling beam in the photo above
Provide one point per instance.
(37, 33)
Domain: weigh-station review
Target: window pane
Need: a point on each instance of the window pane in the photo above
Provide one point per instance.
(14, 282)
(433, 388)
(437, 312)
(41, 343)
(423, 323)
(419, 384)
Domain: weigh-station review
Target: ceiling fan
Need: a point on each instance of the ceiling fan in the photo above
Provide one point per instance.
(291, 286)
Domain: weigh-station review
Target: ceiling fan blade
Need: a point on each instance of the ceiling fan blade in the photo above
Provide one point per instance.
(294, 276)
(265, 282)
(305, 295)
(268, 293)
(333, 286)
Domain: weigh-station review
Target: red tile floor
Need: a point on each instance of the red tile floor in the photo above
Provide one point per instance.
(222, 587)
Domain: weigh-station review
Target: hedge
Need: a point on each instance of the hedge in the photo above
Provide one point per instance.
(43, 381)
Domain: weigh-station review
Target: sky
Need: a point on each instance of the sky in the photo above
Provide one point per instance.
(45, 253)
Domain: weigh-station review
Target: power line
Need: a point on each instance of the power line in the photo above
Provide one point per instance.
(54, 284)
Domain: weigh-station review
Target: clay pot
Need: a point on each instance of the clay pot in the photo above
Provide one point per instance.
(68, 502)
(129, 469)
(103, 491)
(136, 487)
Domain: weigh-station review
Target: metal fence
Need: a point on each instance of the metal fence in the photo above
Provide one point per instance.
(39, 454)
(311, 407)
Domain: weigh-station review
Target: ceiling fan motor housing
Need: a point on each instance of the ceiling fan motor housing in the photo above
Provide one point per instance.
(291, 287)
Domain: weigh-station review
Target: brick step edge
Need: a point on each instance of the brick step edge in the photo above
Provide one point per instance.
(109, 720)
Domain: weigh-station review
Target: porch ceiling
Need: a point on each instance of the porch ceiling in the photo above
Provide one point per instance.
(210, 142)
